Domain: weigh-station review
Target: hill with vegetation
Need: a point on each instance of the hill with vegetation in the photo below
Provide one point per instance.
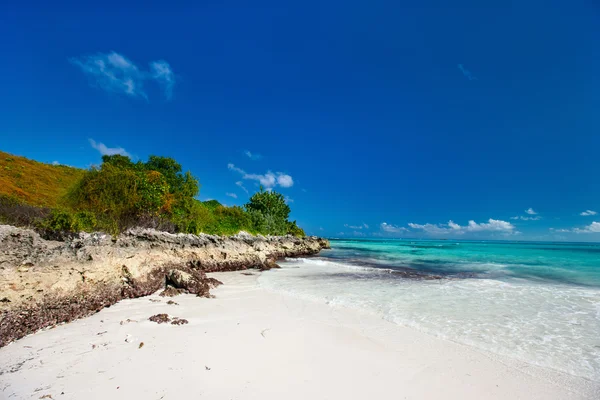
(122, 194)
(34, 182)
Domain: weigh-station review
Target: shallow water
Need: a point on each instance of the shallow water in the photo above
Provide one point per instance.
(536, 302)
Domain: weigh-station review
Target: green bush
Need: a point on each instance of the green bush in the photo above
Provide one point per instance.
(269, 202)
(269, 212)
(120, 192)
(231, 220)
(294, 229)
(197, 220)
(84, 221)
(66, 221)
(211, 204)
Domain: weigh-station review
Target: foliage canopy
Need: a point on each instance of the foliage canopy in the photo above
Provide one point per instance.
(120, 194)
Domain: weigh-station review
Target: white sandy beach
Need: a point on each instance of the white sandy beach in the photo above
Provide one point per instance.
(250, 343)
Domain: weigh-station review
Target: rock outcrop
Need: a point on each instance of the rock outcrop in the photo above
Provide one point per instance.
(44, 283)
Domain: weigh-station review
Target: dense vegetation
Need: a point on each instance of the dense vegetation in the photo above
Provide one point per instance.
(35, 183)
(121, 194)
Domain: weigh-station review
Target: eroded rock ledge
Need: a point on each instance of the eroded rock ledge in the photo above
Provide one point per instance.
(44, 282)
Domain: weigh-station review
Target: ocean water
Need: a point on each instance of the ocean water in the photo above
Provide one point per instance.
(535, 302)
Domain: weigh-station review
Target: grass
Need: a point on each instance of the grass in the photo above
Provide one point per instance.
(36, 183)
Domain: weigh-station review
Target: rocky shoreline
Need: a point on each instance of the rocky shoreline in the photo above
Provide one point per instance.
(44, 283)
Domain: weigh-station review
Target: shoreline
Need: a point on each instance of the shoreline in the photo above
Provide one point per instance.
(249, 342)
(45, 283)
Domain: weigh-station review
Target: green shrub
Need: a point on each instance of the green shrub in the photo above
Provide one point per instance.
(211, 204)
(269, 212)
(60, 221)
(294, 229)
(269, 202)
(84, 221)
(120, 192)
(231, 220)
(199, 219)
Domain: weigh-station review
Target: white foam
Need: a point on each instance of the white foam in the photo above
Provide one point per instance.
(553, 326)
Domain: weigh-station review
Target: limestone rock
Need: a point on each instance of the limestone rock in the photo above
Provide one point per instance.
(47, 282)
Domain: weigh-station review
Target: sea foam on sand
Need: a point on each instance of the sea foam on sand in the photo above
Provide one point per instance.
(251, 343)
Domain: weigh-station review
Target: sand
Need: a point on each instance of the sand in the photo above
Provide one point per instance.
(250, 343)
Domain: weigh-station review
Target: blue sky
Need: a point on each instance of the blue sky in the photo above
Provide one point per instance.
(399, 119)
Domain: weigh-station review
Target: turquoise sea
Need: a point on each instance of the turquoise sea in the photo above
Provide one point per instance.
(532, 301)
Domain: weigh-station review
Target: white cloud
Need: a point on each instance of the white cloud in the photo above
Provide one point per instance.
(288, 200)
(236, 169)
(231, 195)
(522, 218)
(55, 163)
(108, 151)
(453, 225)
(268, 180)
(392, 228)
(594, 227)
(163, 74)
(493, 225)
(529, 211)
(113, 72)
(587, 213)
(433, 229)
(363, 226)
(241, 185)
(284, 180)
(252, 156)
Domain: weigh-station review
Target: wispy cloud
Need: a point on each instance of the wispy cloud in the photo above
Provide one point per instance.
(588, 213)
(241, 185)
(523, 218)
(163, 74)
(560, 230)
(392, 228)
(231, 195)
(55, 163)
(269, 180)
(529, 211)
(108, 151)
(288, 199)
(114, 72)
(492, 225)
(363, 226)
(466, 73)
(252, 156)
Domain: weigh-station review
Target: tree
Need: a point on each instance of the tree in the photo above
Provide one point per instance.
(269, 212)
(269, 202)
(117, 160)
(183, 187)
